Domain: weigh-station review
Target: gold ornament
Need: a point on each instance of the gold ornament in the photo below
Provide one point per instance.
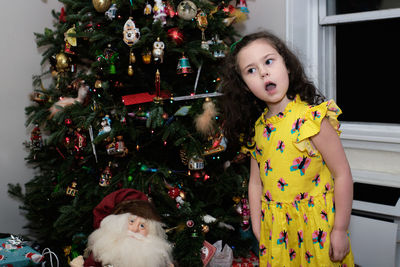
(132, 58)
(101, 5)
(130, 70)
(146, 57)
(62, 62)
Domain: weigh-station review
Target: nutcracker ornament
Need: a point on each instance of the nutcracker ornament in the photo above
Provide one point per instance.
(158, 51)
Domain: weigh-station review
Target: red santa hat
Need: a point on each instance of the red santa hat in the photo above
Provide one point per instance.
(124, 201)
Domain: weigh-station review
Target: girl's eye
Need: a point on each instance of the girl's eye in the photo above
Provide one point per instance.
(251, 70)
(268, 61)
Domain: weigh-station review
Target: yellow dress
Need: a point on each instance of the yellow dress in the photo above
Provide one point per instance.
(298, 209)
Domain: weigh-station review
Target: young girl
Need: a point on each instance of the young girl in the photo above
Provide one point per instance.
(300, 188)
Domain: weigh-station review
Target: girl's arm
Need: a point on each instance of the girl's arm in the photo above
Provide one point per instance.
(255, 191)
(329, 145)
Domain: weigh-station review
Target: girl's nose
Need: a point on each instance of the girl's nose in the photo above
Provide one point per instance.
(264, 72)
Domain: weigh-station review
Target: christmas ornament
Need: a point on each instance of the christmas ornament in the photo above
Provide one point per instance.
(243, 209)
(196, 163)
(176, 35)
(71, 190)
(109, 56)
(132, 60)
(62, 62)
(146, 57)
(157, 83)
(62, 18)
(117, 147)
(202, 23)
(158, 51)
(111, 12)
(242, 4)
(169, 9)
(147, 9)
(105, 125)
(70, 40)
(220, 47)
(106, 176)
(205, 122)
(159, 12)
(80, 141)
(187, 10)
(38, 97)
(218, 144)
(36, 139)
(101, 5)
(183, 66)
(131, 34)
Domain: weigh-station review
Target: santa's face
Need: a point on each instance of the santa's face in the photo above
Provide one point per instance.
(138, 225)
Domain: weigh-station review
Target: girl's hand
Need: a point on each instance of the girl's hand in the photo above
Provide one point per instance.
(339, 246)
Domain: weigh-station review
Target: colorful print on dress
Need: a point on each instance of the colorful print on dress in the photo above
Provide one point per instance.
(292, 254)
(324, 215)
(268, 197)
(269, 128)
(305, 218)
(283, 238)
(311, 202)
(282, 184)
(263, 250)
(257, 152)
(288, 218)
(262, 214)
(316, 114)
(301, 164)
(319, 236)
(279, 205)
(317, 179)
(296, 125)
(280, 115)
(308, 256)
(301, 196)
(300, 237)
(281, 146)
(267, 167)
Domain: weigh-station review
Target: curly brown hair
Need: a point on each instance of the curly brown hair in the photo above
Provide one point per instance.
(239, 107)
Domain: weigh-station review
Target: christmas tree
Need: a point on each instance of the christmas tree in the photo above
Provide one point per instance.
(131, 104)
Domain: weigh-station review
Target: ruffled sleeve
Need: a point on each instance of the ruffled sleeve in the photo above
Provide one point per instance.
(312, 124)
(250, 148)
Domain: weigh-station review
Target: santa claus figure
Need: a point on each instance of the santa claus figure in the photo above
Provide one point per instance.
(129, 234)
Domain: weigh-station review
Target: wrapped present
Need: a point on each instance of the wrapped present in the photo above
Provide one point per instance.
(13, 253)
(250, 261)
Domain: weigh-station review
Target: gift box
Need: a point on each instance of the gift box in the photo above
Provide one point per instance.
(13, 253)
(251, 261)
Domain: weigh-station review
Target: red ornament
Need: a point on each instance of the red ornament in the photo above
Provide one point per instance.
(174, 192)
(176, 35)
(62, 15)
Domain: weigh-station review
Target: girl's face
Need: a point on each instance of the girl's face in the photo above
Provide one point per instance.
(264, 72)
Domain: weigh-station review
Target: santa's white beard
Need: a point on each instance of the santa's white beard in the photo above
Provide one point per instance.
(120, 248)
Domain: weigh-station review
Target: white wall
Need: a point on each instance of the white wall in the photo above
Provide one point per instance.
(21, 59)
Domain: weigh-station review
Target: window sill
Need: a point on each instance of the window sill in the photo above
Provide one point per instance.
(371, 136)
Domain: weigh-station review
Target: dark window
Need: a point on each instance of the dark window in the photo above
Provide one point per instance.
(368, 71)
(352, 6)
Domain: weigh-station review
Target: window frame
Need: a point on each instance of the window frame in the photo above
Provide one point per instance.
(311, 33)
